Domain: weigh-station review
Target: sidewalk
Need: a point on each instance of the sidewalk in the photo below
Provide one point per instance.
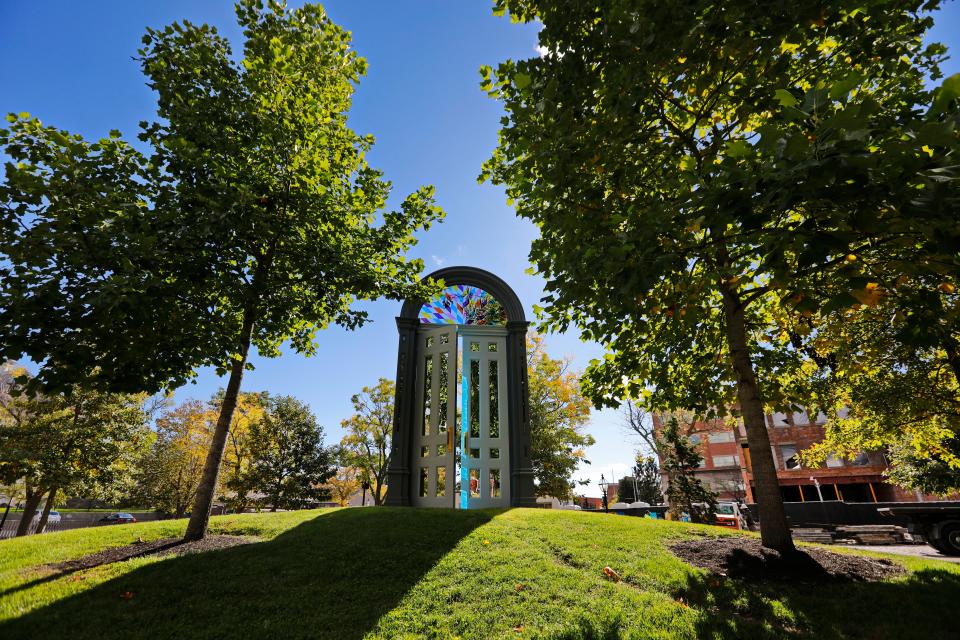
(916, 550)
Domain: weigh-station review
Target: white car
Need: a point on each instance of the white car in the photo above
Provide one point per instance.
(52, 518)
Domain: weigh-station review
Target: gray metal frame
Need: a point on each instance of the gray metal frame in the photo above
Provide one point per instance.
(402, 462)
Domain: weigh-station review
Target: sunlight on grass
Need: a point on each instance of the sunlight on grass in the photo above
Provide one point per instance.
(389, 573)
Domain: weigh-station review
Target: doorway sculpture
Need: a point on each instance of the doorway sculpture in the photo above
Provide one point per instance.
(461, 426)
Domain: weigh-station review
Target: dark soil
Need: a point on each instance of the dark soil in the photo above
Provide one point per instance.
(164, 547)
(744, 558)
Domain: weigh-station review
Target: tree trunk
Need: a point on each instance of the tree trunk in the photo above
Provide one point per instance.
(203, 502)
(6, 512)
(29, 509)
(774, 529)
(42, 525)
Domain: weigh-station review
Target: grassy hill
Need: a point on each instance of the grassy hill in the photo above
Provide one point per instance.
(426, 573)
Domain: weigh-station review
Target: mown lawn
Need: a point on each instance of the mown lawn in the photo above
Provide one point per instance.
(426, 573)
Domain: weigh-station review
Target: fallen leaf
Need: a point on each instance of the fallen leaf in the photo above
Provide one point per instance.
(126, 595)
(518, 628)
(486, 542)
(519, 587)
(610, 573)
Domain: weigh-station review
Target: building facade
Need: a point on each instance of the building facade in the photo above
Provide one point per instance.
(726, 467)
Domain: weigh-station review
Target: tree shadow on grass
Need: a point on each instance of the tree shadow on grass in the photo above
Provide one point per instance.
(330, 577)
(923, 604)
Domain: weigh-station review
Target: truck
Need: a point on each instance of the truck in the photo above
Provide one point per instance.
(938, 524)
(733, 515)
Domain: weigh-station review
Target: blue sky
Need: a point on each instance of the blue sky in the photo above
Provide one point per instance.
(70, 64)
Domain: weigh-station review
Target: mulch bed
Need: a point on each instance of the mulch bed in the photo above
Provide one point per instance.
(745, 559)
(164, 547)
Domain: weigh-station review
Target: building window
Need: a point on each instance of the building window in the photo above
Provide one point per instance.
(791, 459)
(860, 460)
(718, 437)
(834, 462)
(724, 461)
(695, 438)
(780, 420)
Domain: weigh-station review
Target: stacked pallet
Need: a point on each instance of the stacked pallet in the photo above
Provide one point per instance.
(873, 534)
(812, 534)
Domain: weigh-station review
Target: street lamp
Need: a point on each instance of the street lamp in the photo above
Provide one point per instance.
(603, 488)
(816, 483)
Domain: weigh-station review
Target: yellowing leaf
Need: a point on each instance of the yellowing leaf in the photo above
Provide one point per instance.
(787, 47)
(826, 46)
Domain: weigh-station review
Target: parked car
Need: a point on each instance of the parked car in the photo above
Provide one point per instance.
(117, 518)
(52, 518)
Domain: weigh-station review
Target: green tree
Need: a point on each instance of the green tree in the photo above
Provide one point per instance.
(680, 199)
(647, 474)
(290, 464)
(558, 416)
(366, 446)
(644, 483)
(880, 391)
(685, 492)
(625, 490)
(61, 443)
(255, 221)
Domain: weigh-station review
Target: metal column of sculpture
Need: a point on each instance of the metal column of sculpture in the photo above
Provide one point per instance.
(461, 427)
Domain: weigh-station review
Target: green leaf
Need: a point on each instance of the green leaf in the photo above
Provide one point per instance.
(948, 91)
(738, 149)
(785, 98)
(841, 88)
(521, 81)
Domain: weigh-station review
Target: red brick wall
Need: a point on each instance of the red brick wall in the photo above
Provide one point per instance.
(864, 482)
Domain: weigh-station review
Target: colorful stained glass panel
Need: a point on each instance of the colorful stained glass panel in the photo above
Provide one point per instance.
(463, 304)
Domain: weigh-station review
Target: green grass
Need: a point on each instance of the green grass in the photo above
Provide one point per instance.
(427, 573)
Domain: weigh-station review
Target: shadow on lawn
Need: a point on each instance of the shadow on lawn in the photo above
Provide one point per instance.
(921, 605)
(330, 577)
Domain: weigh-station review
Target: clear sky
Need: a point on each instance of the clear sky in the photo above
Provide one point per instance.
(71, 64)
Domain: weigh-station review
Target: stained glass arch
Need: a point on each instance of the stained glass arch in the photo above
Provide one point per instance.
(480, 279)
(464, 304)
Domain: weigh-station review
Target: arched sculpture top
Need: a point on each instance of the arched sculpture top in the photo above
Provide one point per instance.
(472, 277)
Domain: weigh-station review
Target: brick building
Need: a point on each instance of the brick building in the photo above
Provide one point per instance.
(726, 463)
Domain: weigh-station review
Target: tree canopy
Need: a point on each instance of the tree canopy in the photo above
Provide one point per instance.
(59, 443)
(366, 446)
(694, 168)
(252, 219)
(558, 417)
(290, 464)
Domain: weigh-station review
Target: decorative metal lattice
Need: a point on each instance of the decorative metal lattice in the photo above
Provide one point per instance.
(463, 304)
